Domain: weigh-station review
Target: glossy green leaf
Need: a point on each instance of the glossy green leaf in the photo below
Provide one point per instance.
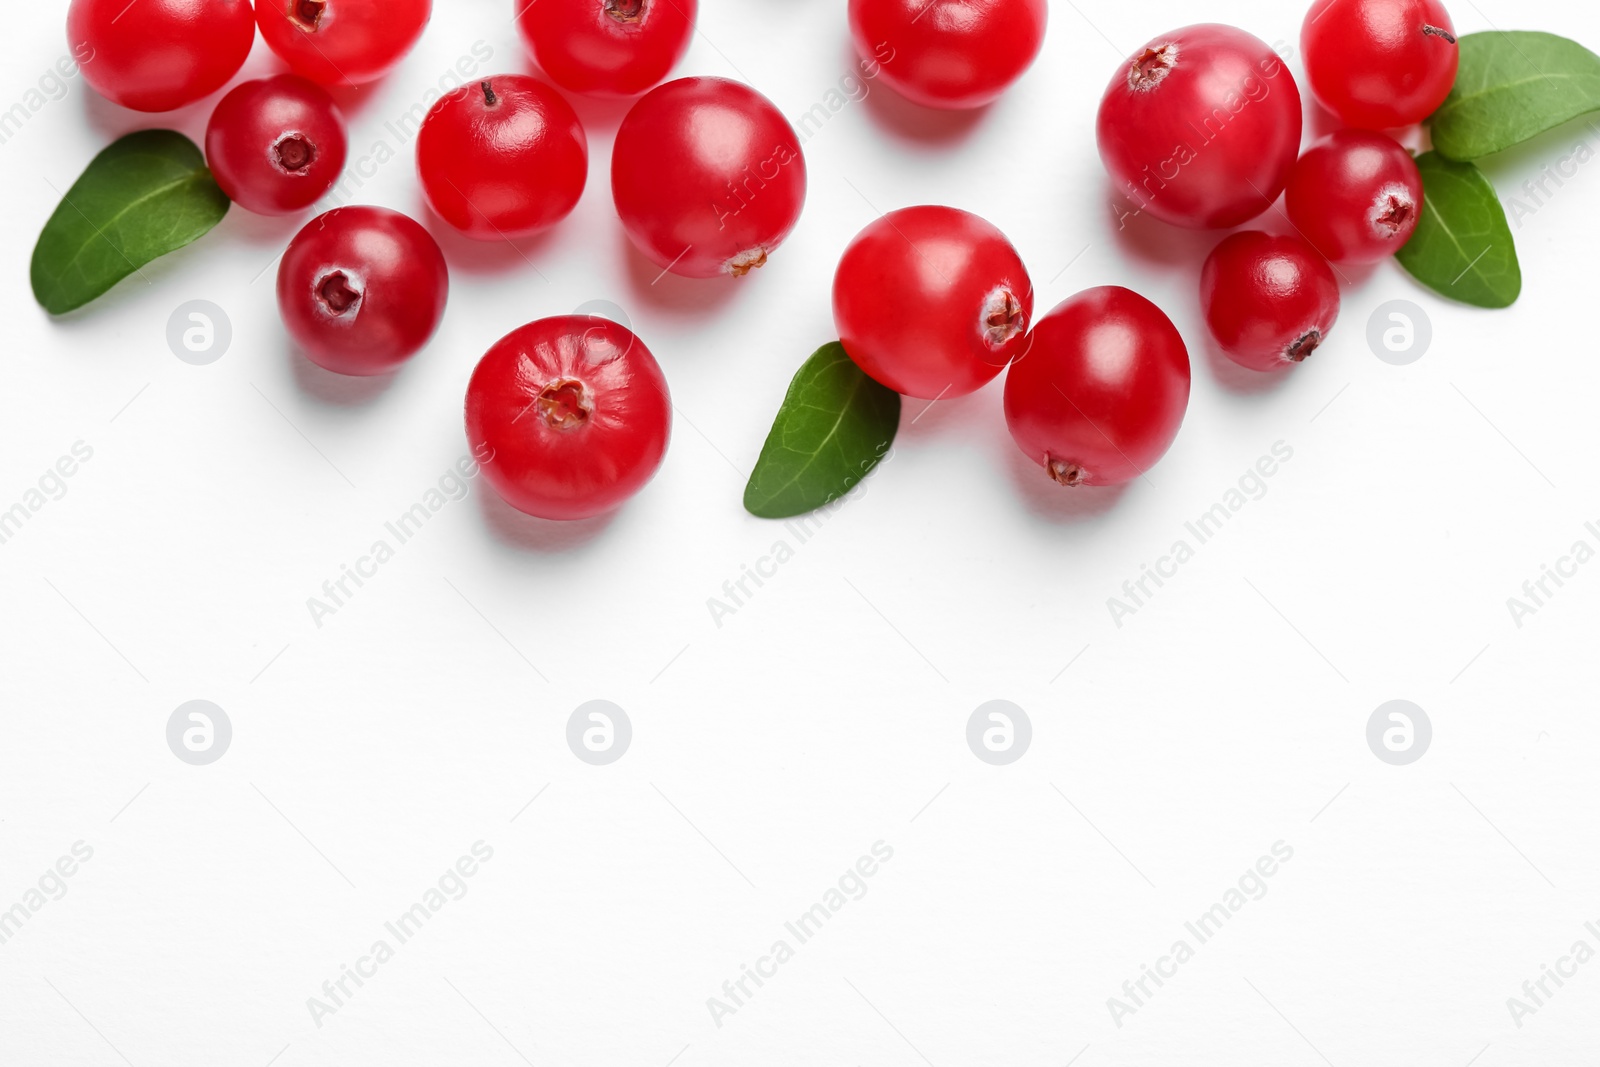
(146, 195)
(834, 427)
(1462, 247)
(1513, 86)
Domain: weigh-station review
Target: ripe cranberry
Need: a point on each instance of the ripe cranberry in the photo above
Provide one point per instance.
(276, 145)
(158, 55)
(708, 177)
(1102, 390)
(1356, 196)
(1377, 64)
(575, 412)
(503, 158)
(932, 302)
(1201, 127)
(1270, 301)
(949, 53)
(342, 42)
(607, 47)
(362, 289)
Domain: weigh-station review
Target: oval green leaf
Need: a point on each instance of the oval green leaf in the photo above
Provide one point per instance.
(834, 427)
(1462, 247)
(148, 194)
(1514, 85)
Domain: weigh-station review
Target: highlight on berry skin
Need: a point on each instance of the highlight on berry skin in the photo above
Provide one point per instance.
(607, 48)
(1201, 127)
(1270, 301)
(951, 55)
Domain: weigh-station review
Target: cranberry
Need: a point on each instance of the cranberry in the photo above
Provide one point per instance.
(276, 145)
(708, 177)
(949, 53)
(1356, 196)
(932, 301)
(503, 158)
(1201, 127)
(607, 47)
(343, 42)
(362, 289)
(158, 55)
(575, 414)
(1270, 301)
(1102, 390)
(1377, 64)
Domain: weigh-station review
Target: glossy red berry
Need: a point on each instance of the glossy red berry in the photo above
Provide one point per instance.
(1377, 64)
(158, 55)
(503, 158)
(574, 414)
(949, 53)
(1269, 301)
(708, 177)
(1356, 196)
(342, 42)
(607, 47)
(362, 289)
(1201, 127)
(932, 301)
(1102, 390)
(276, 145)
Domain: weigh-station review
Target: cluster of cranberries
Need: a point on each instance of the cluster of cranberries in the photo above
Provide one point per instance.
(574, 411)
(1201, 128)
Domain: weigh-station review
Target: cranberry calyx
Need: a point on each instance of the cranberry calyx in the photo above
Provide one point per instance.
(1436, 31)
(309, 13)
(337, 294)
(1003, 319)
(1394, 213)
(1151, 67)
(625, 10)
(294, 153)
(1063, 473)
(1303, 346)
(564, 404)
(747, 261)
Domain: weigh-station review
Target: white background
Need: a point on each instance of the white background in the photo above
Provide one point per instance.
(830, 711)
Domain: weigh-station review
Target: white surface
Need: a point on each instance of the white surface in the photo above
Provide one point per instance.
(826, 713)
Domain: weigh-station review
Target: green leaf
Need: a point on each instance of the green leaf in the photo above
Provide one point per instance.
(1462, 246)
(1513, 86)
(146, 195)
(835, 425)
